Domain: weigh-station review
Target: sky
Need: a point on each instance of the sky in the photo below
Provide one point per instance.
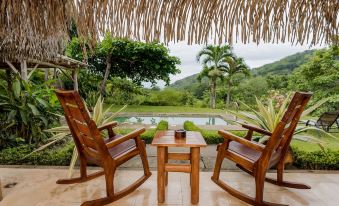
(254, 55)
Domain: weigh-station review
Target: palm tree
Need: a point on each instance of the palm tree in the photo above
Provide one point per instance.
(214, 65)
(235, 65)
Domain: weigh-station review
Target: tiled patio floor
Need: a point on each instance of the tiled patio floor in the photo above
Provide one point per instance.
(37, 187)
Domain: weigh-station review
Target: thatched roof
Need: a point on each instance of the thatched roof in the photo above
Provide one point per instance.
(36, 29)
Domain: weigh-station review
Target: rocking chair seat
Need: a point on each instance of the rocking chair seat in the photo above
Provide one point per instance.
(252, 154)
(121, 148)
(244, 151)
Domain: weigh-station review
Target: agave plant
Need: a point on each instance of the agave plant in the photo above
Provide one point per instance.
(101, 117)
(268, 117)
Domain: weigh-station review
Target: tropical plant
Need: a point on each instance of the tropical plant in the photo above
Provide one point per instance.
(26, 110)
(99, 115)
(235, 65)
(267, 116)
(214, 65)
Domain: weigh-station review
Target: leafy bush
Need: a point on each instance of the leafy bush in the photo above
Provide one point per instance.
(60, 155)
(166, 97)
(122, 91)
(210, 136)
(148, 135)
(162, 125)
(26, 110)
(320, 159)
(190, 126)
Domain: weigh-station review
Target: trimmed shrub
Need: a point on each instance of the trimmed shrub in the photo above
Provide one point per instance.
(148, 135)
(60, 155)
(190, 126)
(210, 136)
(316, 160)
(162, 125)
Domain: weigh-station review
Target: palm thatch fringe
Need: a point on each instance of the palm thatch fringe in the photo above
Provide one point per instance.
(39, 29)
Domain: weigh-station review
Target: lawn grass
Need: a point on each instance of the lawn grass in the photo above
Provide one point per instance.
(328, 143)
(166, 109)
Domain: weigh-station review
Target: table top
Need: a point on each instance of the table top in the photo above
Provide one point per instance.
(167, 139)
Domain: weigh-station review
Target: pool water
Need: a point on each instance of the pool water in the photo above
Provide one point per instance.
(173, 120)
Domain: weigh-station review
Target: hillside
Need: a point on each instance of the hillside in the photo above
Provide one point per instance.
(192, 84)
(285, 65)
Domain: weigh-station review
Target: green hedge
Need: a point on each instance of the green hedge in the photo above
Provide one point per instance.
(162, 125)
(316, 160)
(148, 135)
(210, 136)
(190, 126)
(60, 155)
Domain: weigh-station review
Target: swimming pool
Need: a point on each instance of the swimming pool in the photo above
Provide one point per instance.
(172, 120)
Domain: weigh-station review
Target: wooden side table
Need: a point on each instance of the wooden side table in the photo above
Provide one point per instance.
(164, 139)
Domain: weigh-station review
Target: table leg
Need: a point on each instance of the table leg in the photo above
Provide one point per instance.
(166, 161)
(161, 173)
(195, 158)
(191, 165)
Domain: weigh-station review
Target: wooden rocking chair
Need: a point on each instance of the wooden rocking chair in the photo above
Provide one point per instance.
(255, 158)
(92, 147)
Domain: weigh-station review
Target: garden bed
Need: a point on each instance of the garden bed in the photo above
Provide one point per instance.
(305, 155)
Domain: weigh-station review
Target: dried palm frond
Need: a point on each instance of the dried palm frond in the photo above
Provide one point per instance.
(39, 29)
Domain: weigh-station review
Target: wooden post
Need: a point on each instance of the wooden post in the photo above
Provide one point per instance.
(75, 79)
(46, 74)
(23, 69)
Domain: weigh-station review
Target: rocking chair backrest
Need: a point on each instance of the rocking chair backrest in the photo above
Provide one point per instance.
(282, 135)
(86, 135)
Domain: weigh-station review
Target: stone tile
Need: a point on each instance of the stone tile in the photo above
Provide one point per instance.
(37, 187)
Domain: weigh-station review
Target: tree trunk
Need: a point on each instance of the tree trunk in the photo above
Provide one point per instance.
(213, 94)
(228, 95)
(108, 68)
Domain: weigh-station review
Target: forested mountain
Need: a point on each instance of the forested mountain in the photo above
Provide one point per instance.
(191, 84)
(283, 66)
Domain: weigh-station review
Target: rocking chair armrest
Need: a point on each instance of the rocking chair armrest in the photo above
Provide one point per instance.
(253, 145)
(256, 129)
(108, 126)
(136, 133)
